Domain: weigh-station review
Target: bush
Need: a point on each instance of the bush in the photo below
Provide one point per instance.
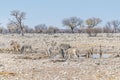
(92, 32)
(52, 30)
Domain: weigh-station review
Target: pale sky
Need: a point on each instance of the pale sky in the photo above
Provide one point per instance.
(52, 12)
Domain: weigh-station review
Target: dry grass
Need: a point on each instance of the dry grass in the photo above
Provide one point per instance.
(38, 66)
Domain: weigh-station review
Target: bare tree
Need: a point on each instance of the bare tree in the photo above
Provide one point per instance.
(113, 25)
(52, 29)
(27, 29)
(12, 28)
(41, 28)
(108, 28)
(19, 17)
(72, 22)
(1, 29)
(92, 22)
(116, 25)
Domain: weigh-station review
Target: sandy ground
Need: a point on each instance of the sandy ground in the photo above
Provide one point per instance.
(18, 67)
(34, 66)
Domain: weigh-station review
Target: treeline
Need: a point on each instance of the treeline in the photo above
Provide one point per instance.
(90, 26)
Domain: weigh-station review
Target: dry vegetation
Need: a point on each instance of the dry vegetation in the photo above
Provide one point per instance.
(40, 64)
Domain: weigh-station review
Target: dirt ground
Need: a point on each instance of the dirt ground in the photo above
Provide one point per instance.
(33, 66)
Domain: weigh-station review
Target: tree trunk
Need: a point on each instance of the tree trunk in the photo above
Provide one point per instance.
(22, 32)
(115, 30)
(72, 30)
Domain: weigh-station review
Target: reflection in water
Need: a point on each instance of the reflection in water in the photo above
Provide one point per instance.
(96, 56)
(103, 56)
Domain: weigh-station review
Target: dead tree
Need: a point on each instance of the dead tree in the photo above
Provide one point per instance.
(19, 17)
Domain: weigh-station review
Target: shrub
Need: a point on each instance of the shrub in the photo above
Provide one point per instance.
(92, 32)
